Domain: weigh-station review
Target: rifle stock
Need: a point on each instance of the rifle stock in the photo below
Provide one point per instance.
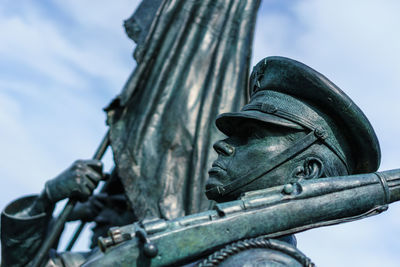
(272, 212)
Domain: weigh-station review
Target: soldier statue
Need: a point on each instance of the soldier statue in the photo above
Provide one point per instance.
(297, 131)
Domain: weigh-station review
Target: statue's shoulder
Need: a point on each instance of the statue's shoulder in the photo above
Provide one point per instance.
(258, 252)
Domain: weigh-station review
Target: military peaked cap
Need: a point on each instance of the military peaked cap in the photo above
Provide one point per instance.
(288, 93)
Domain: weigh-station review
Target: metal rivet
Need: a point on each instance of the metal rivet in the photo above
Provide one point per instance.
(320, 133)
(288, 189)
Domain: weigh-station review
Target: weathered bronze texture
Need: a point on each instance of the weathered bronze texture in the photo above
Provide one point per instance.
(302, 113)
(193, 65)
(299, 155)
(287, 142)
(269, 213)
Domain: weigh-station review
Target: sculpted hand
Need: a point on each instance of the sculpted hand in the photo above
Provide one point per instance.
(88, 210)
(76, 182)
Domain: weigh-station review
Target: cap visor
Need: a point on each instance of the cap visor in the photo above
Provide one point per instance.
(229, 123)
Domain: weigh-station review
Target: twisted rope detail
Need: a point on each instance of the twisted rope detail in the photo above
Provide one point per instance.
(219, 256)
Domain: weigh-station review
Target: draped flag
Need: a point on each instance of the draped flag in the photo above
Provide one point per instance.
(193, 63)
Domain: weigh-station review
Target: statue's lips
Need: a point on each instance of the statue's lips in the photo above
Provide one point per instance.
(213, 182)
(218, 164)
(216, 168)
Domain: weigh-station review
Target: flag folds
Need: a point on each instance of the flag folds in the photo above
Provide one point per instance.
(193, 63)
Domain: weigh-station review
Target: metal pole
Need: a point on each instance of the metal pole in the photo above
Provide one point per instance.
(75, 236)
(62, 218)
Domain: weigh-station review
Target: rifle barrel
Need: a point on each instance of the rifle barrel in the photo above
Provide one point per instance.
(271, 212)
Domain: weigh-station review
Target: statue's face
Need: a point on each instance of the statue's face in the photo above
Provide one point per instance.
(254, 145)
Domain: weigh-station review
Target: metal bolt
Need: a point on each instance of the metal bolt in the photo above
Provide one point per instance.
(288, 189)
(150, 250)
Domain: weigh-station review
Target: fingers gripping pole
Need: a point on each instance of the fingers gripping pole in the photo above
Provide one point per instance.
(98, 155)
(59, 224)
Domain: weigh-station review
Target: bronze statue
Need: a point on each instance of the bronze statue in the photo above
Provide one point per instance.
(174, 69)
(284, 168)
(282, 150)
(193, 63)
(299, 155)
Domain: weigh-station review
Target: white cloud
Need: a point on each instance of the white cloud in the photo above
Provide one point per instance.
(54, 82)
(42, 44)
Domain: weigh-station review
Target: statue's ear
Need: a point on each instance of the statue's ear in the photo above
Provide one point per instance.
(311, 168)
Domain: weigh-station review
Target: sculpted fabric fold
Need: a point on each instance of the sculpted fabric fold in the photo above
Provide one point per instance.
(192, 65)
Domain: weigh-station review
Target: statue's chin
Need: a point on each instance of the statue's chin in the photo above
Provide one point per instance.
(213, 189)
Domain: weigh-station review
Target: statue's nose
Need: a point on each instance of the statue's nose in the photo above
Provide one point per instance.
(223, 148)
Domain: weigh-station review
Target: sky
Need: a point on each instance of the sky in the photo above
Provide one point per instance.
(63, 61)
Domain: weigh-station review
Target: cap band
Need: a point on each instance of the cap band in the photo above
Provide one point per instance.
(291, 109)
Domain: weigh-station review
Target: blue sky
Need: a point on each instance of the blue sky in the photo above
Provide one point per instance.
(63, 61)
